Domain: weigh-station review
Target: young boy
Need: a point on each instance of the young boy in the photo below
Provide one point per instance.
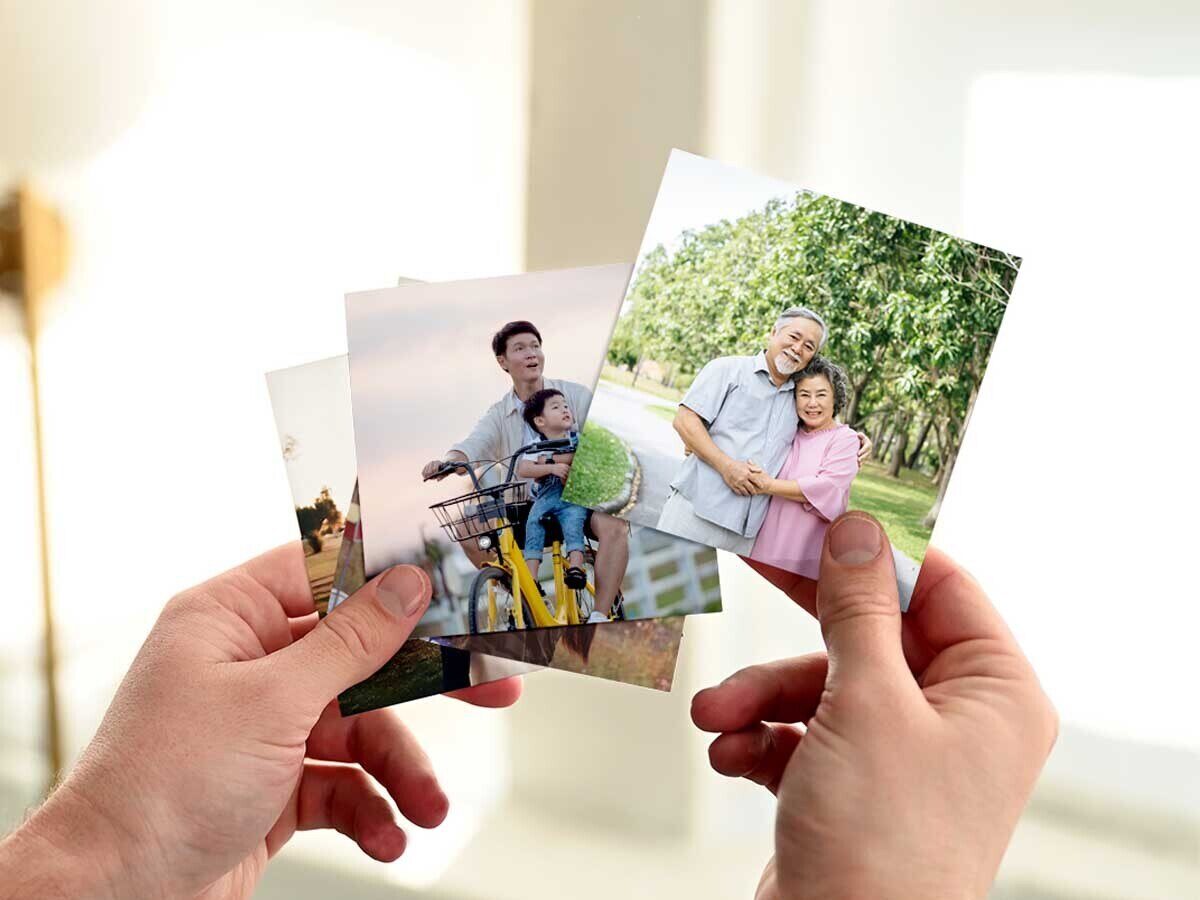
(548, 414)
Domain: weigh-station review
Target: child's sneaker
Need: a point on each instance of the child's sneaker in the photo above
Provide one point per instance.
(595, 618)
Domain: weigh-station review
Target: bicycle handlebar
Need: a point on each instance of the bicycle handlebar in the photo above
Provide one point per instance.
(469, 466)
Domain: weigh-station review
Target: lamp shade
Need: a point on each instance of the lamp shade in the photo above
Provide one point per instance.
(72, 76)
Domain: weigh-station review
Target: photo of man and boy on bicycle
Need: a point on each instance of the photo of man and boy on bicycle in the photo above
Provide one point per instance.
(515, 554)
(530, 433)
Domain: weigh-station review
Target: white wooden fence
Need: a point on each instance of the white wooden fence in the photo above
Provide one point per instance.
(666, 576)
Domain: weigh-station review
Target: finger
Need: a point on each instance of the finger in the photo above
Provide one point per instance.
(302, 625)
(344, 799)
(768, 885)
(949, 607)
(759, 753)
(357, 638)
(857, 601)
(801, 590)
(784, 691)
(493, 694)
(950, 611)
(380, 743)
(282, 572)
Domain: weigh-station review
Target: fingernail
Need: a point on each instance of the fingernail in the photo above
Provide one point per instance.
(854, 540)
(402, 590)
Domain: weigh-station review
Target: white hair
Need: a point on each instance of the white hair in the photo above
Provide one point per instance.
(801, 312)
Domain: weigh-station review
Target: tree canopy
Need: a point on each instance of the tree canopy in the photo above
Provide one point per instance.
(912, 312)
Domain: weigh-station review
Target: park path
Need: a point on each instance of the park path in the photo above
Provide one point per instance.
(623, 411)
(659, 450)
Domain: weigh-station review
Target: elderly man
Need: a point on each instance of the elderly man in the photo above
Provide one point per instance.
(502, 431)
(740, 415)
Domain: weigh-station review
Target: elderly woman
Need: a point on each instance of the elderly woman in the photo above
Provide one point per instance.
(813, 487)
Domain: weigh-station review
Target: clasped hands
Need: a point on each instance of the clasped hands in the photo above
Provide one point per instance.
(746, 477)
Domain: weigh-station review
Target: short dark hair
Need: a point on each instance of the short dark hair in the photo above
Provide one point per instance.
(834, 374)
(500, 338)
(536, 405)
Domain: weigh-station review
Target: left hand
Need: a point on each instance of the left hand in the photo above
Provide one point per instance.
(760, 481)
(218, 744)
(864, 448)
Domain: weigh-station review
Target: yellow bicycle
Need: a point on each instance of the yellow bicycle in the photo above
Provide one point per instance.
(504, 595)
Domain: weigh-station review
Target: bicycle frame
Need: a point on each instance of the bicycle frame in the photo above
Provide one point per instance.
(512, 559)
(523, 585)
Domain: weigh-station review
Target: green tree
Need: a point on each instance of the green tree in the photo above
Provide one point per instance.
(912, 313)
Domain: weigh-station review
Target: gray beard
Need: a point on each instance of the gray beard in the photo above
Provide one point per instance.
(785, 365)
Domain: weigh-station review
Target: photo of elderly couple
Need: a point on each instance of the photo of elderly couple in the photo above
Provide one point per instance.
(468, 400)
(782, 357)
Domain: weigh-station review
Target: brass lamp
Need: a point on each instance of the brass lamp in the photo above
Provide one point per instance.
(33, 253)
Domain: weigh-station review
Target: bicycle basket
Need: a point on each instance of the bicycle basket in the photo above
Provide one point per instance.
(482, 511)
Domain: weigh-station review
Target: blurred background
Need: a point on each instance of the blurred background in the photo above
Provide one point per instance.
(224, 172)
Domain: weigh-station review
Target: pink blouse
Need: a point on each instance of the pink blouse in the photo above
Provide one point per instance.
(824, 464)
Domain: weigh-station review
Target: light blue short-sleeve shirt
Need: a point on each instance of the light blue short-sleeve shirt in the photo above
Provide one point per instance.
(749, 418)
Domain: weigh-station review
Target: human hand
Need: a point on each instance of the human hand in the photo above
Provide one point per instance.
(761, 482)
(216, 748)
(737, 475)
(562, 470)
(907, 752)
(864, 448)
(430, 470)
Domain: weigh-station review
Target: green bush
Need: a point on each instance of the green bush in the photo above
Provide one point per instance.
(600, 468)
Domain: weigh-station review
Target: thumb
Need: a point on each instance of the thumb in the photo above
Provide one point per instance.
(857, 601)
(359, 636)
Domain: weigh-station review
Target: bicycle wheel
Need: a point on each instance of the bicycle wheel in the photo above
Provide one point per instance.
(585, 603)
(618, 608)
(480, 616)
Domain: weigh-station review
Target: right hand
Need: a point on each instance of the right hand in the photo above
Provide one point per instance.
(920, 738)
(737, 475)
(562, 470)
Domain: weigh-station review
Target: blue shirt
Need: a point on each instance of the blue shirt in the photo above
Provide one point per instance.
(748, 418)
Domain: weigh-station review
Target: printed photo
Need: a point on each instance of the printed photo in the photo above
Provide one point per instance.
(782, 357)
(311, 406)
(312, 412)
(642, 653)
(468, 399)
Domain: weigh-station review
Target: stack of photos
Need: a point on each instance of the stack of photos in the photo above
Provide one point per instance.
(312, 411)
(563, 452)
(781, 357)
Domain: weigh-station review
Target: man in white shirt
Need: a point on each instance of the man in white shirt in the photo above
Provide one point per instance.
(502, 431)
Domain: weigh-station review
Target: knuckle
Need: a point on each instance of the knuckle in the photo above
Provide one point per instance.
(354, 631)
(183, 606)
(861, 601)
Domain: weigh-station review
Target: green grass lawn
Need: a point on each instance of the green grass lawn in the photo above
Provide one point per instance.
(600, 467)
(900, 504)
(649, 385)
(415, 671)
(662, 412)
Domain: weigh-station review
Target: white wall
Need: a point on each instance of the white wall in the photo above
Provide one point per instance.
(279, 155)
